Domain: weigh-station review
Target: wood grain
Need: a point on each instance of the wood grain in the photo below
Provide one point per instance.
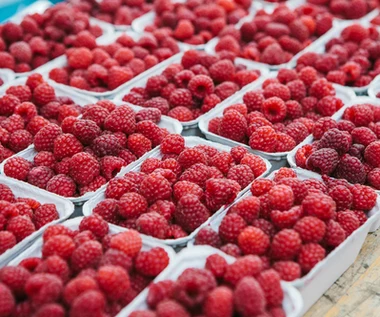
(357, 292)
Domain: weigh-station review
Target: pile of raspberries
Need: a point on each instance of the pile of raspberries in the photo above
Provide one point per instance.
(292, 224)
(348, 149)
(172, 196)
(274, 38)
(26, 109)
(20, 217)
(101, 68)
(244, 288)
(347, 9)
(187, 90)
(352, 59)
(118, 12)
(39, 38)
(281, 114)
(83, 154)
(198, 21)
(81, 273)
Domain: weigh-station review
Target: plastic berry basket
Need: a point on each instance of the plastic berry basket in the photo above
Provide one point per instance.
(314, 284)
(193, 124)
(333, 33)
(62, 62)
(189, 142)
(210, 46)
(170, 124)
(40, 7)
(35, 249)
(20, 189)
(279, 158)
(374, 87)
(7, 76)
(337, 116)
(196, 258)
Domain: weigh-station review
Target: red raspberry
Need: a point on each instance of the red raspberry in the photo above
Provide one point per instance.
(44, 139)
(40, 176)
(152, 262)
(208, 236)
(61, 245)
(201, 86)
(182, 114)
(363, 197)
(20, 140)
(45, 214)
(43, 94)
(61, 185)
(95, 224)
(248, 286)
(107, 209)
(44, 158)
(286, 244)
(233, 126)
(172, 144)
(348, 221)
(321, 88)
(149, 114)
(83, 168)
(288, 270)
(311, 229)
(335, 234)
(21, 227)
(6, 193)
(43, 288)
(342, 197)
(96, 114)
(66, 145)
(286, 219)
(219, 302)
(247, 208)
(15, 278)
(182, 188)
(121, 120)
(351, 169)
(323, 125)
(128, 242)
(261, 186)
(17, 167)
(230, 228)
(7, 300)
(253, 100)
(89, 303)
(216, 264)
(155, 84)
(86, 255)
(274, 109)
(220, 192)
(263, 139)
(86, 131)
(138, 144)
(323, 161)
(222, 71)
(132, 205)
(319, 205)
(155, 187)
(281, 197)
(153, 224)
(22, 92)
(13, 123)
(119, 186)
(171, 308)
(310, 255)
(371, 154)
(270, 282)
(360, 115)
(373, 178)
(253, 240)
(223, 161)
(158, 103)
(7, 241)
(113, 281)
(193, 285)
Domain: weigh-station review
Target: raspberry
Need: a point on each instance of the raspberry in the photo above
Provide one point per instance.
(207, 236)
(155, 84)
(159, 292)
(153, 224)
(121, 120)
(263, 139)
(201, 86)
(281, 197)
(311, 229)
(310, 255)
(220, 192)
(17, 167)
(86, 255)
(151, 114)
(222, 161)
(6, 193)
(321, 88)
(113, 281)
(348, 221)
(322, 126)
(193, 285)
(190, 212)
(21, 227)
(182, 114)
(253, 240)
(363, 197)
(181, 98)
(59, 75)
(83, 168)
(43, 94)
(152, 262)
(360, 115)
(66, 145)
(40, 176)
(171, 308)
(22, 92)
(13, 123)
(286, 244)
(269, 281)
(288, 270)
(363, 135)
(44, 139)
(119, 186)
(336, 139)
(15, 278)
(219, 302)
(274, 109)
(261, 186)
(230, 228)
(216, 264)
(43, 288)
(8, 240)
(128, 242)
(342, 197)
(44, 158)
(337, 76)
(323, 161)
(248, 286)
(45, 214)
(182, 188)
(89, 303)
(371, 154)
(7, 60)
(222, 71)
(247, 208)
(351, 169)
(319, 205)
(86, 131)
(158, 103)
(132, 205)
(61, 185)
(95, 224)
(116, 257)
(7, 300)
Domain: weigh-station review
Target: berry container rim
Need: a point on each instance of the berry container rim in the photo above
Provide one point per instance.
(310, 139)
(64, 207)
(41, 6)
(7, 76)
(314, 284)
(177, 59)
(344, 93)
(374, 87)
(196, 258)
(190, 141)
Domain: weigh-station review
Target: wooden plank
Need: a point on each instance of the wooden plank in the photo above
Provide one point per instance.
(357, 291)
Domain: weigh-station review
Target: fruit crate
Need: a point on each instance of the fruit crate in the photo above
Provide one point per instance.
(320, 48)
(40, 7)
(20, 189)
(277, 159)
(189, 142)
(196, 258)
(7, 76)
(172, 125)
(374, 88)
(210, 46)
(62, 62)
(314, 284)
(189, 126)
(310, 139)
(35, 249)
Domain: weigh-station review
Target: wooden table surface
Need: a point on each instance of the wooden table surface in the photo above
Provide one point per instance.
(357, 292)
